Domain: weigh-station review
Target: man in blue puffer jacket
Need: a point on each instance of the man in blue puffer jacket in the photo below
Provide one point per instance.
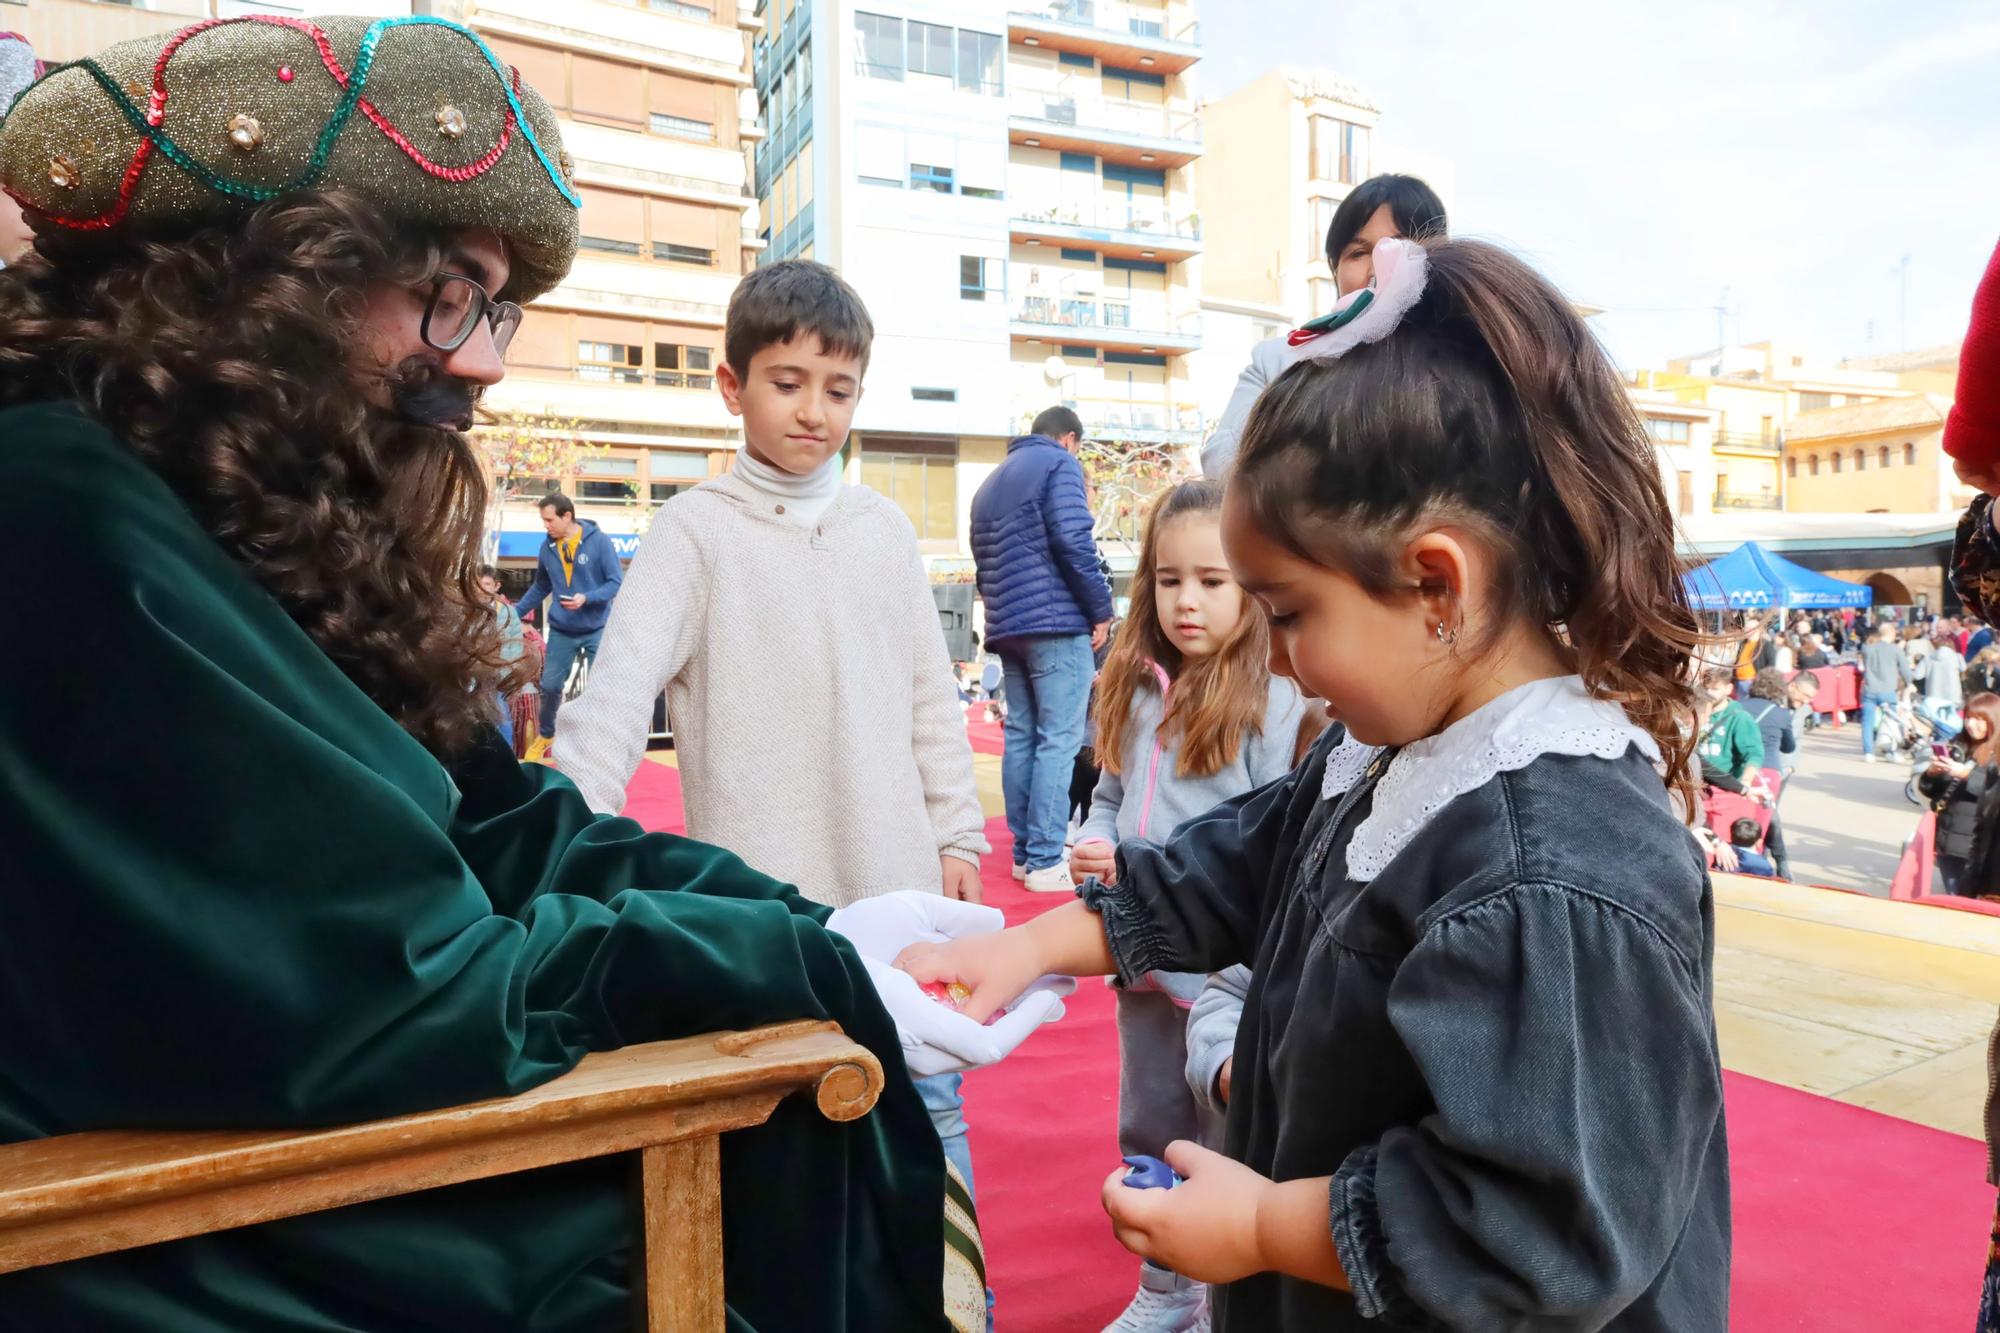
(1048, 605)
(580, 566)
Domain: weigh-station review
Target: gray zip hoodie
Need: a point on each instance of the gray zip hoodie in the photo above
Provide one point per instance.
(1151, 797)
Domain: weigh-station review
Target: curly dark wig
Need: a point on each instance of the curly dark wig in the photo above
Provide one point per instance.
(232, 358)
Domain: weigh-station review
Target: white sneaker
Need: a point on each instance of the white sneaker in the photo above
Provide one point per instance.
(1159, 1308)
(1050, 879)
(1020, 872)
(1868, 758)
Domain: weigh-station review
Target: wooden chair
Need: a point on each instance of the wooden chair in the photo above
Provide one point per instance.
(83, 1194)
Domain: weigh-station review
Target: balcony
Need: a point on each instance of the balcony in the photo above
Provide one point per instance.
(1770, 502)
(670, 35)
(1122, 231)
(1127, 36)
(1110, 323)
(1133, 134)
(1138, 422)
(653, 400)
(1731, 443)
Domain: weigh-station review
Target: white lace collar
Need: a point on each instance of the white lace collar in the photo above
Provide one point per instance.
(1554, 716)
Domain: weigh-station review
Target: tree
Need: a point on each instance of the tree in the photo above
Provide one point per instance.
(526, 455)
(1127, 476)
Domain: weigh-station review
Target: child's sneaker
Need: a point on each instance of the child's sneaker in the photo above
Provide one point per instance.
(1165, 1303)
(1050, 879)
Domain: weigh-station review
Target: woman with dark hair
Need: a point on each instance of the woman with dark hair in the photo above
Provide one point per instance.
(1379, 207)
(1967, 786)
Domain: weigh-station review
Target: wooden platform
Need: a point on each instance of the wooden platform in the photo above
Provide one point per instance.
(1881, 1004)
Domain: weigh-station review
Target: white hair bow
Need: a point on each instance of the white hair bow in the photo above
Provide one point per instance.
(1371, 313)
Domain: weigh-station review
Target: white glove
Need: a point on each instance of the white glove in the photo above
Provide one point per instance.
(881, 928)
(937, 1039)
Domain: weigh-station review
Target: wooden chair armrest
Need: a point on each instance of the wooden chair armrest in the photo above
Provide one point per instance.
(82, 1194)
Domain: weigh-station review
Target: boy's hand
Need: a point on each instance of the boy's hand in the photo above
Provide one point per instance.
(1205, 1227)
(1222, 1080)
(1094, 857)
(995, 968)
(961, 879)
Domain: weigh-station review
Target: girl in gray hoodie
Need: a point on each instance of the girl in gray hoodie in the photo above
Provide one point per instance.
(1188, 716)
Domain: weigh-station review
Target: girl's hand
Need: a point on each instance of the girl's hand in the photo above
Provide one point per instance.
(1205, 1227)
(995, 968)
(961, 879)
(1222, 1080)
(1094, 857)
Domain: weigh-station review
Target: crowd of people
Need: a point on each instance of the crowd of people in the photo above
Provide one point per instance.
(1426, 611)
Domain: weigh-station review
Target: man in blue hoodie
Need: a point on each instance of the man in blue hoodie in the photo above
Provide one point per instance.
(1048, 605)
(580, 565)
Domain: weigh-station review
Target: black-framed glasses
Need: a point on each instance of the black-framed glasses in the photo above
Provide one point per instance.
(456, 306)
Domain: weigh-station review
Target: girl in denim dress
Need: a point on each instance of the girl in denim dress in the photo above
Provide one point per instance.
(1476, 1083)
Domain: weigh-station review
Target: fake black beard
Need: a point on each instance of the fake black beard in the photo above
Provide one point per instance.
(423, 394)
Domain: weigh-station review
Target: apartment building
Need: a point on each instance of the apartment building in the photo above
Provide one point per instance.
(652, 99)
(65, 30)
(1009, 191)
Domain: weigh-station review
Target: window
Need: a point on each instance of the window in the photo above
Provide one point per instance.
(982, 167)
(682, 366)
(678, 464)
(934, 395)
(608, 244)
(606, 492)
(1791, 467)
(610, 467)
(1339, 150)
(1319, 223)
(925, 488)
(606, 361)
(683, 127)
(1860, 460)
(1836, 458)
(1812, 465)
(1322, 296)
(926, 177)
(684, 254)
(681, 8)
(878, 155)
(880, 39)
(1909, 455)
(664, 491)
(1813, 402)
(979, 279)
(979, 62)
(1667, 432)
(1885, 455)
(930, 49)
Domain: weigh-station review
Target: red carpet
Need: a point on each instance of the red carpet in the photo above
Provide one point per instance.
(1846, 1221)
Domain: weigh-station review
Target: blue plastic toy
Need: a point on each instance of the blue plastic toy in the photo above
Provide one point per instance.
(1150, 1173)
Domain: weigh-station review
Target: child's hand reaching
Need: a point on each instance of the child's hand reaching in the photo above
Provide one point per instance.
(1205, 1227)
(961, 879)
(995, 968)
(1093, 857)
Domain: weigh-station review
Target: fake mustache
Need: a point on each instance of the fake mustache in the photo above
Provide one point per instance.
(422, 393)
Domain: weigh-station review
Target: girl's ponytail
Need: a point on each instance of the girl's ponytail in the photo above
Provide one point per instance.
(1492, 405)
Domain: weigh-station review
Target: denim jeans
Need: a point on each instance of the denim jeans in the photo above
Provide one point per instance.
(1048, 695)
(1871, 706)
(562, 654)
(944, 1098)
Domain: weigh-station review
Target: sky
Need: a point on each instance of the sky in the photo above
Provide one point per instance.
(1778, 159)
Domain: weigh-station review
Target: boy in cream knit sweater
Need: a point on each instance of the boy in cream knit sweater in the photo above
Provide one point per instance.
(788, 618)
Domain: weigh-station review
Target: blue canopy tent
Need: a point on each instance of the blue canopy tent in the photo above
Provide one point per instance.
(1750, 578)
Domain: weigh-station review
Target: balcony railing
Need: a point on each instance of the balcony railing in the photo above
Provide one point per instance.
(1755, 444)
(1139, 421)
(696, 183)
(1105, 114)
(1748, 502)
(721, 69)
(607, 374)
(1104, 16)
(1113, 217)
(1067, 312)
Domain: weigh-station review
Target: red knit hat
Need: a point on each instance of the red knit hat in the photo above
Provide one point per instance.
(1972, 431)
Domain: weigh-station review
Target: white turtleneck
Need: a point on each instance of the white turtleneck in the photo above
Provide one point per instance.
(801, 499)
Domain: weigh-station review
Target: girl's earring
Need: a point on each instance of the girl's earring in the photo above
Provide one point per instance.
(1446, 636)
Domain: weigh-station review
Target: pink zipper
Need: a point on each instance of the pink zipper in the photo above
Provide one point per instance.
(1159, 748)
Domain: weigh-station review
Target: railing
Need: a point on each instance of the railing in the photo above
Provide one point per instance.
(1065, 312)
(1137, 420)
(1748, 502)
(1100, 113)
(1100, 16)
(1758, 444)
(605, 374)
(702, 308)
(668, 178)
(1111, 217)
(649, 50)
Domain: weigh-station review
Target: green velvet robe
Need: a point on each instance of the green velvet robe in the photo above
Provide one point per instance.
(233, 893)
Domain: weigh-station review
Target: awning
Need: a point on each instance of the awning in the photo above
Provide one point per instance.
(1750, 578)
